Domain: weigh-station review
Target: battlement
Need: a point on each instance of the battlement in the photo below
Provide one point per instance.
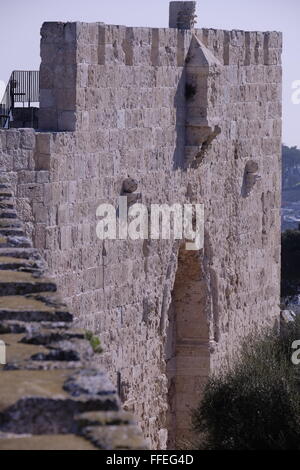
(79, 59)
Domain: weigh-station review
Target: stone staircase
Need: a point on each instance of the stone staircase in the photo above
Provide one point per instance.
(52, 393)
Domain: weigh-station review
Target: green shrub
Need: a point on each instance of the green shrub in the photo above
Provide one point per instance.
(290, 264)
(256, 405)
(94, 341)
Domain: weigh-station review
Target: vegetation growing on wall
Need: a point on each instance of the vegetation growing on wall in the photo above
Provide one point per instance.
(94, 341)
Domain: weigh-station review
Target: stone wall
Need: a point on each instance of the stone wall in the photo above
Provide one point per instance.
(53, 394)
(192, 116)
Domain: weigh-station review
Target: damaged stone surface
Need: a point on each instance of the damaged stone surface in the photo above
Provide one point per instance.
(52, 396)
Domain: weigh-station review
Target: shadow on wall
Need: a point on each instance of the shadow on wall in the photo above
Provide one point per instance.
(250, 178)
(197, 124)
(180, 126)
(187, 345)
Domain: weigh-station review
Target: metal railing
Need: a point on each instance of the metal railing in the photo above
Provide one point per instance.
(23, 87)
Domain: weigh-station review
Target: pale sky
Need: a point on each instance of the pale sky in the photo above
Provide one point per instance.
(21, 21)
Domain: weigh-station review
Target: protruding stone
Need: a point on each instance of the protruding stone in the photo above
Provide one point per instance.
(130, 185)
(250, 177)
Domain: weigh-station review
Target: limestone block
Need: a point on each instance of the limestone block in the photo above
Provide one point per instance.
(12, 139)
(43, 143)
(42, 176)
(27, 139)
(20, 159)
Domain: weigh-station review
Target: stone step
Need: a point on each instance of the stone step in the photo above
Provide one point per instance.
(21, 354)
(44, 337)
(89, 381)
(57, 355)
(20, 264)
(25, 253)
(14, 327)
(19, 326)
(44, 442)
(51, 300)
(11, 232)
(100, 418)
(8, 223)
(14, 241)
(17, 352)
(37, 365)
(122, 437)
(42, 307)
(45, 384)
(8, 214)
(32, 315)
(35, 315)
(6, 193)
(7, 204)
(19, 283)
(40, 348)
(39, 402)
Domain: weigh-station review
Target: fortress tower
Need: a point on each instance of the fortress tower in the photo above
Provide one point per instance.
(194, 116)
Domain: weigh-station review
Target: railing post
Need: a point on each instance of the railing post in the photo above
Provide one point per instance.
(11, 90)
(29, 89)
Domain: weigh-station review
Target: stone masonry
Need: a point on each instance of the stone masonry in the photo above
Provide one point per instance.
(53, 396)
(193, 116)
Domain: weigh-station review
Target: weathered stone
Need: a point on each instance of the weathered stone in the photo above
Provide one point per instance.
(10, 441)
(100, 418)
(130, 185)
(15, 241)
(181, 111)
(43, 393)
(11, 263)
(8, 215)
(18, 283)
(87, 381)
(47, 337)
(115, 437)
